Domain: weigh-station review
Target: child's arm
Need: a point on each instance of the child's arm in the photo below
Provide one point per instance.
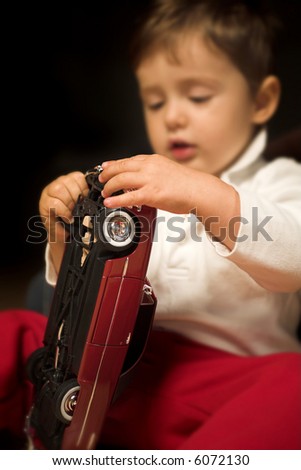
(164, 184)
(57, 201)
(259, 230)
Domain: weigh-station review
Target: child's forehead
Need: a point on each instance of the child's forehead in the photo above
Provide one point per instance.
(182, 47)
(190, 51)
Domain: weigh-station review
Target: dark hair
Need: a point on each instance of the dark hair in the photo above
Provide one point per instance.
(244, 30)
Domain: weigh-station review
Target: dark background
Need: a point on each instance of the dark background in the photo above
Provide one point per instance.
(70, 102)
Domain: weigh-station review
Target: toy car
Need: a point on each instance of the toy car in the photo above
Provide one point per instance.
(98, 325)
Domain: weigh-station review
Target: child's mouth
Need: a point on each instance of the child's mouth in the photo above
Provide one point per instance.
(182, 150)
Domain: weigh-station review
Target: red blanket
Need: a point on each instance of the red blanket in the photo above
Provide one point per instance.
(22, 332)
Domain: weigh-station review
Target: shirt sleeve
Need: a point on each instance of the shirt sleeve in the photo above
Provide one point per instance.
(268, 246)
(50, 273)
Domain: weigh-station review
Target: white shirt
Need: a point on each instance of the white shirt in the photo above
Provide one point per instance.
(243, 301)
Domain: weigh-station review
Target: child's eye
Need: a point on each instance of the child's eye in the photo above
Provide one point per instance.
(155, 106)
(199, 99)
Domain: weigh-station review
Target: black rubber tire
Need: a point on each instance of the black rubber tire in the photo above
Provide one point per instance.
(34, 365)
(63, 392)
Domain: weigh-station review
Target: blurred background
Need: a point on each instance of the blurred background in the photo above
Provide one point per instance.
(70, 102)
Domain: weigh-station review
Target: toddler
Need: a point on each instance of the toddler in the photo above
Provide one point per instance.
(222, 366)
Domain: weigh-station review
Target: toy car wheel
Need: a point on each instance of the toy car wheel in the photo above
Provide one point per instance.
(34, 365)
(119, 228)
(65, 400)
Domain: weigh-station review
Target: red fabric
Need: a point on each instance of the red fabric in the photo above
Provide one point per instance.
(21, 333)
(184, 396)
(187, 396)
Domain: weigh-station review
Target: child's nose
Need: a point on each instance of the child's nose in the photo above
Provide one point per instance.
(175, 116)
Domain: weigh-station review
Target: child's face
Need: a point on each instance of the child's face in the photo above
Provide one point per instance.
(198, 110)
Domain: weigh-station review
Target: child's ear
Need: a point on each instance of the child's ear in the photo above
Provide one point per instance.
(266, 99)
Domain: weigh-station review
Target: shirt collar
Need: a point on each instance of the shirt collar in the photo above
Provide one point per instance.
(251, 154)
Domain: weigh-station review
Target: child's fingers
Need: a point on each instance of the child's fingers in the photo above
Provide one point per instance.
(114, 167)
(127, 199)
(123, 181)
(108, 163)
(59, 197)
(55, 208)
(68, 188)
(80, 180)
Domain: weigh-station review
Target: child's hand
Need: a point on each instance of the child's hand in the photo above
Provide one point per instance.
(58, 200)
(151, 180)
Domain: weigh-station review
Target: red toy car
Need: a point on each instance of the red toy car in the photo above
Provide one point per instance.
(100, 317)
